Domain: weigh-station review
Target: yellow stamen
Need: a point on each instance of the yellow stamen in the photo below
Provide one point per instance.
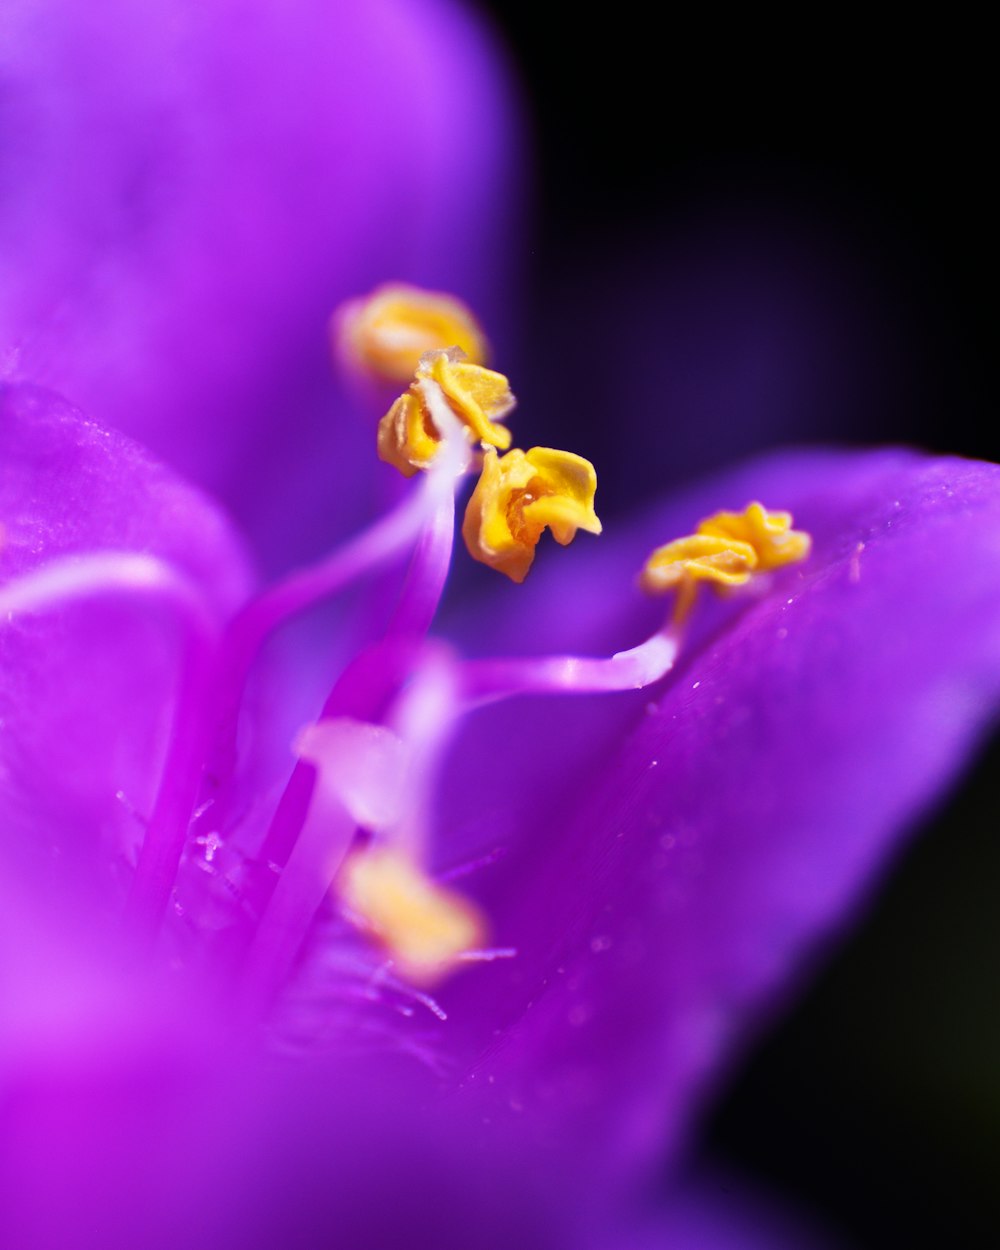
(424, 926)
(385, 334)
(727, 549)
(521, 494)
(408, 437)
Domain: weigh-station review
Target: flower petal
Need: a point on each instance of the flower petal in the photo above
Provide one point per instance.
(195, 187)
(665, 897)
(130, 1117)
(86, 689)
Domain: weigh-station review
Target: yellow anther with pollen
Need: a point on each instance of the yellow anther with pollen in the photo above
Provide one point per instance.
(424, 926)
(769, 533)
(521, 494)
(727, 549)
(387, 332)
(408, 437)
(699, 557)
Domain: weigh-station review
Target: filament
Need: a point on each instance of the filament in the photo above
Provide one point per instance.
(486, 681)
(304, 883)
(73, 578)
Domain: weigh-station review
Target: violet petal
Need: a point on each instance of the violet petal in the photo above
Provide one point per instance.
(194, 188)
(86, 690)
(667, 895)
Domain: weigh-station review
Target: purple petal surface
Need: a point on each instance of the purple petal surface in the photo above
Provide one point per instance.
(668, 892)
(187, 190)
(86, 689)
(129, 1118)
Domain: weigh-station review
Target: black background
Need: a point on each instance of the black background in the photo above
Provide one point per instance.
(869, 149)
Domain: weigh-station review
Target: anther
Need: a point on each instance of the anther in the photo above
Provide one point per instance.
(425, 927)
(521, 494)
(408, 434)
(384, 334)
(769, 533)
(699, 557)
(727, 549)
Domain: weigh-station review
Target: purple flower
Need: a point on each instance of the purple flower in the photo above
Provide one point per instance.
(198, 1044)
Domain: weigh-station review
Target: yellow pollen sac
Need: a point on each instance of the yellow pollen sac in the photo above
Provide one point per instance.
(385, 334)
(699, 557)
(769, 533)
(727, 549)
(408, 437)
(519, 495)
(424, 926)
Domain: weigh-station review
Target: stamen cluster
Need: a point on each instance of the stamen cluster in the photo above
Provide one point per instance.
(519, 494)
(353, 829)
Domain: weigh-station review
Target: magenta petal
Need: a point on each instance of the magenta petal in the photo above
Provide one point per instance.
(86, 690)
(757, 795)
(128, 1123)
(130, 1118)
(189, 190)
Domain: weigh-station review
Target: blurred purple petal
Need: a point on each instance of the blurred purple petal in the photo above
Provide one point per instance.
(129, 1119)
(188, 190)
(86, 689)
(661, 899)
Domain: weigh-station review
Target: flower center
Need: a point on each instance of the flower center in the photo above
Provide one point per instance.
(352, 833)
